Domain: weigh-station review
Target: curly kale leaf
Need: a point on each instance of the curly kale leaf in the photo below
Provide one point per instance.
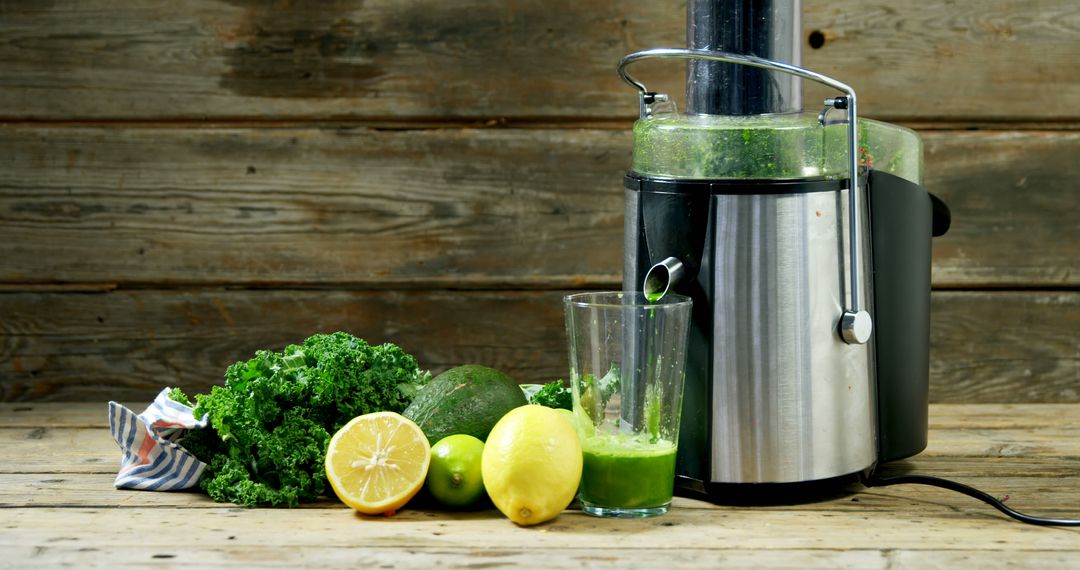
(595, 392)
(552, 395)
(272, 420)
(178, 395)
(284, 468)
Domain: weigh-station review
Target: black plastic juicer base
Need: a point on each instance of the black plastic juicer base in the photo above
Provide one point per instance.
(766, 494)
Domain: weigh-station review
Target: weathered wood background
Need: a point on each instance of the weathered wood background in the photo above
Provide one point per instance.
(183, 183)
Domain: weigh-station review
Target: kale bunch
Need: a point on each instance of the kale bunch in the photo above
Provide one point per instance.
(272, 420)
(553, 395)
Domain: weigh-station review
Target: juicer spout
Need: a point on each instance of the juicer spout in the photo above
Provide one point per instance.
(662, 278)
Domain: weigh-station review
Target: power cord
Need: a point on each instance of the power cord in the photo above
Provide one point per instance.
(876, 481)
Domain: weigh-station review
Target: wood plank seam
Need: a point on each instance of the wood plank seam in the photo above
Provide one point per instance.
(391, 123)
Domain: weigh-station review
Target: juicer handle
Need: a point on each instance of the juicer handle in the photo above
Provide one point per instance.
(855, 323)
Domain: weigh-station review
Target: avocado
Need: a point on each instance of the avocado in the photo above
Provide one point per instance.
(468, 399)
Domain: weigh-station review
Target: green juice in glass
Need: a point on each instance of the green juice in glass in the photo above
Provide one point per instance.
(627, 472)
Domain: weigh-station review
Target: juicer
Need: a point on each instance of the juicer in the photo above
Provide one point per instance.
(804, 240)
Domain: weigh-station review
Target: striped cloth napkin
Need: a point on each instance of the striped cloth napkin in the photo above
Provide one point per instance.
(152, 461)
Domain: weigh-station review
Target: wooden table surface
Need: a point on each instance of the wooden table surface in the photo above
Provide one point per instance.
(58, 507)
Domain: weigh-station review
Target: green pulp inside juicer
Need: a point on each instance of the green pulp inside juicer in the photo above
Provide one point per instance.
(775, 147)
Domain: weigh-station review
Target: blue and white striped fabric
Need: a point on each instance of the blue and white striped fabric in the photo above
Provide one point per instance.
(152, 461)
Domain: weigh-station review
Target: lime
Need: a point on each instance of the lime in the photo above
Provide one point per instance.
(532, 464)
(454, 477)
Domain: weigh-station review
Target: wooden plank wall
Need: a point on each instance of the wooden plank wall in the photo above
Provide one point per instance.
(181, 184)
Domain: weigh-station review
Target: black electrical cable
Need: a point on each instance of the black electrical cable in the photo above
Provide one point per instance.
(876, 481)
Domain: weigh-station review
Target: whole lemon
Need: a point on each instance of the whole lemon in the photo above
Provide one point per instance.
(532, 464)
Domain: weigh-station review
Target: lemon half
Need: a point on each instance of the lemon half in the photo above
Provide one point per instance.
(377, 462)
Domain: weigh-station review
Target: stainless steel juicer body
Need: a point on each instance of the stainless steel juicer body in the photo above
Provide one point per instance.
(774, 394)
(791, 400)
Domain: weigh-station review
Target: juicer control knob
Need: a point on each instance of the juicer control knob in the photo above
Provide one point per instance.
(855, 327)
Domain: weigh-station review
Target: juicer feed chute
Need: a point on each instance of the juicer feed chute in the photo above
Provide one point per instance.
(718, 25)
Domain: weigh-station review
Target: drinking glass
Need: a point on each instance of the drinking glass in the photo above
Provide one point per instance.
(627, 363)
